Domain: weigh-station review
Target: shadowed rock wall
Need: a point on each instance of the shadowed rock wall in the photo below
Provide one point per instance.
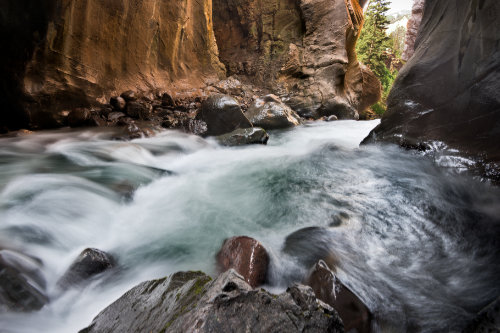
(79, 52)
(448, 91)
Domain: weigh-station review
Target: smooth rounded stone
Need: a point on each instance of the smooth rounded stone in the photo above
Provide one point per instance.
(128, 96)
(269, 112)
(332, 118)
(247, 256)
(487, 320)
(308, 245)
(88, 264)
(222, 114)
(22, 285)
(191, 302)
(139, 110)
(167, 100)
(118, 103)
(80, 118)
(244, 136)
(327, 287)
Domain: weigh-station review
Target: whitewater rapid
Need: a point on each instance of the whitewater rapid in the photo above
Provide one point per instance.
(418, 243)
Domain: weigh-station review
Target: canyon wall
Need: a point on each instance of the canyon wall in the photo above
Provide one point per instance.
(412, 29)
(447, 94)
(69, 53)
(65, 54)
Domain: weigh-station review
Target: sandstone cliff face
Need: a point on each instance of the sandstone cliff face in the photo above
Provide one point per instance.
(301, 50)
(78, 53)
(448, 91)
(412, 29)
(66, 54)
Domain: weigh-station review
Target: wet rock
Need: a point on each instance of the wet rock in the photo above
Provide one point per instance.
(332, 118)
(269, 112)
(230, 86)
(191, 302)
(196, 127)
(139, 110)
(22, 285)
(308, 245)
(328, 288)
(81, 118)
(129, 96)
(167, 100)
(247, 256)
(118, 103)
(222, 114)
(90, 263)
(244, 136)
(487, 320)
(447, 90)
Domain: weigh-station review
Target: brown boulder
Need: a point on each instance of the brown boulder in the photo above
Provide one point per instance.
(328, 288)
(245, 255)
(269, 112)
(118, 103)
(139, 110)
(222, 114)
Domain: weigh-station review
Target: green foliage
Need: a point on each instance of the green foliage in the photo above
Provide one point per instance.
(374, 46)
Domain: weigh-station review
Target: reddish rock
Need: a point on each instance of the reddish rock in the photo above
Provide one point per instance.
(412, 27)
(247, 256)
(328, 288)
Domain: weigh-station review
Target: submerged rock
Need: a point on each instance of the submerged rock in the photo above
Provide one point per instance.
(308, 245)
(247, 256)
(222, 114)
(22, 285)
(328, 288)
(488, 319)
(89, 263)
(244, 136)
(191, 302)
(269, 112)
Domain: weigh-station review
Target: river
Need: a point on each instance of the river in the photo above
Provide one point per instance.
(418, 242)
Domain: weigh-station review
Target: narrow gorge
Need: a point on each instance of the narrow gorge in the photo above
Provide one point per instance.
(219, 166)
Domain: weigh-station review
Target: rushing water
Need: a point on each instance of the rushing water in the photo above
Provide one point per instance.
(418, 243)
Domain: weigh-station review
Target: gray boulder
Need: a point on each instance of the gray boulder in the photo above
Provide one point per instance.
(191, 302)
(269, 112)
(88, 264)
(22, 285)
(222, 114)
(244, 136)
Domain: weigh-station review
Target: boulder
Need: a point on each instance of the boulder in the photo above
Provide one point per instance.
(191, 302)
(118, 103)
(244, 136)
(139, 110)
(222, 114)
(81, 117)
(90, 263)
(269, 112)
(230, 86)
(167, 100)
(448, 91)
(114, 116)
(308, 245)
(22, 285)
(328, 288)
(245, 255)
(129, 96)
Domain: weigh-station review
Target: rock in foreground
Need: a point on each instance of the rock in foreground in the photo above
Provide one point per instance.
(247, 256)
(191, 302)
(21, 283)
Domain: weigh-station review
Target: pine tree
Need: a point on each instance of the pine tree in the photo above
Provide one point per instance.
(373, 42)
